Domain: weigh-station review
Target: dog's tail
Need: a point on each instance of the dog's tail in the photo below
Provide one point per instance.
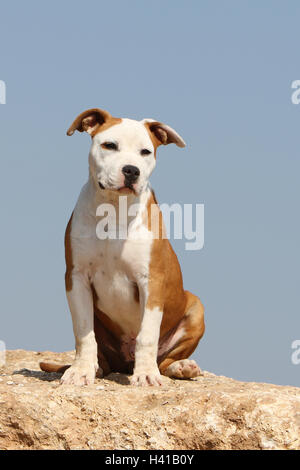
(48, 367)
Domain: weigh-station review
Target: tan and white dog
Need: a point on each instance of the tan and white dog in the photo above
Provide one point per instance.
(130, 311)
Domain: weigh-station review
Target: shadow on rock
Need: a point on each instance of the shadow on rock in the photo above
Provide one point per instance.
(118, 378)
(40, 375)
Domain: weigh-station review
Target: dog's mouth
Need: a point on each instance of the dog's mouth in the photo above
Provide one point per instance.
(126, 189)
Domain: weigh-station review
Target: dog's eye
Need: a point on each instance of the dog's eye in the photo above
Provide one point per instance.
(109, 146)
(145, 152)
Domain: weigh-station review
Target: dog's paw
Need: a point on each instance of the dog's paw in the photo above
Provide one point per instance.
(80, 373)
(145, 379)
(183, 369)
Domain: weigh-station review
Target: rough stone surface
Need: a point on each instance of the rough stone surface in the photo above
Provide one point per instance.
(209, 412)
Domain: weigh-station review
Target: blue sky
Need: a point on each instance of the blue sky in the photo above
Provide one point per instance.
(220, 73)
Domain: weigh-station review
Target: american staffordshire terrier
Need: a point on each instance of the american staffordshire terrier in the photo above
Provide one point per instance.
(130, 311)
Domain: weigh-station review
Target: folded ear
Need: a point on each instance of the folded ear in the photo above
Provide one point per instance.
(163, 134)
(89, 121)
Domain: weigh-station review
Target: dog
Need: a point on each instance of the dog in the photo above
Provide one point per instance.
(129, 309)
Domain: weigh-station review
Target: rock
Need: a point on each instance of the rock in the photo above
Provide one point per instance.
(209, 412)
(2, 354)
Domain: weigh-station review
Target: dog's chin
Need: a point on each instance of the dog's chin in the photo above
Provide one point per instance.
(123, 190)
(126, 190)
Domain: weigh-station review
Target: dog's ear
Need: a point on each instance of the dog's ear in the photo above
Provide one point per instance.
(162, 134)
(89, 121)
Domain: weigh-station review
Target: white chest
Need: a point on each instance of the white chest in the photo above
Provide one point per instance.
(116, 268)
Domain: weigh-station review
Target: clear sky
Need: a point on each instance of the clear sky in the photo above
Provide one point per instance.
(220, 73)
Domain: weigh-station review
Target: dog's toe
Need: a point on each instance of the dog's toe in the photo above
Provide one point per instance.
(79, 374)
(183, 369)
(146, 379)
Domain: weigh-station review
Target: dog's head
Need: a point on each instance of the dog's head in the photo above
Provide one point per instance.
(123, 151)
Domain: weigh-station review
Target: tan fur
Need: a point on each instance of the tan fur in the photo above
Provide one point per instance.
(112, 121)
(97, 119)
(155, 141)
(48, 367)
(166, 291)
(193, 323)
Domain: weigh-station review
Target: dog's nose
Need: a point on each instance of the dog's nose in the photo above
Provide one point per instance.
(131, 173)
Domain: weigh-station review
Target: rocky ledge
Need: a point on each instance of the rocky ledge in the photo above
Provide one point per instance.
(210, 412)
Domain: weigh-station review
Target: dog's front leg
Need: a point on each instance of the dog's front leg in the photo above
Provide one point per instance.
(146, 370)
(85, 365)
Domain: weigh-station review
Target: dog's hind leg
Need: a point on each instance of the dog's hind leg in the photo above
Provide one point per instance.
(176, 363)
